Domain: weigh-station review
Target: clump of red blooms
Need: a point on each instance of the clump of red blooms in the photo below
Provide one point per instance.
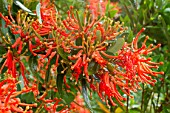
(98, 7)
(9, 102)
(74, 45)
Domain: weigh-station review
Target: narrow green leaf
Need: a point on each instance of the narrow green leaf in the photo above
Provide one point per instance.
(28, 97)
(33, 66)
(38, 8)
(47, 76)
(59, 80)
(21, 81)
(164, 29)
(85, 95)
(68, 73)
(93, 67)
(110, 67)
(118, 45)
(112, 13)
(10, 2)
(79, 22)
(2, 50)
(129, 14)
(68, 97)
(4, 29)
(79, 41)
(18, 3)
(98, 34)
(33, 63)
(168, 70)
(134, 110)
(62, 53)
(2, 3)
(96, 78)
(37, 34)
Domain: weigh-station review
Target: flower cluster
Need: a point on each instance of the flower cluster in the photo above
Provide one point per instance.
(64, 52)
(9, 102)
(98, 7)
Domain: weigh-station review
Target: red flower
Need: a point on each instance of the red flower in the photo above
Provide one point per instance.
(135, 67)
(98, 7)
(48, 17)
(8, 97)
(99, 59)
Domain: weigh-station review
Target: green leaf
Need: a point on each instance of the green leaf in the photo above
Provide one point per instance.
(62, 53)
(79, 20)
(93, 67)
(4, 29)
(3, 5)
(2, 50)
(21, 82)
(117, 46)
(164, 29)
(33, 67)
(85, 95)
(38, 7)
(18, 3)
(79, 41)
(33, 63)
(167, 10)
(110, 67)
(129, 14)
(130, 36)
(32, 4)
(59, 80)
(134, 110)
(96, 78)
(168, 70)
(68, 97)
(98, 34)
(10, 2)
(28, 97)
(47, 76)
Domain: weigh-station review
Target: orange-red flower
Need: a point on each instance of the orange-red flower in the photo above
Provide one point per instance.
(9, 102)
(48, 17)
(135, 67)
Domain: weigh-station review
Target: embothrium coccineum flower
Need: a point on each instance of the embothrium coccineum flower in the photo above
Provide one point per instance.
(9, 102)
(135, 66)
(48, 14)
(126, 71)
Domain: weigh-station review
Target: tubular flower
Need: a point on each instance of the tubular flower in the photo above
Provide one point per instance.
(48, 16)
(8, 98)
(10, 63)
(93, 37)
(135, 67)
(109, 88)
